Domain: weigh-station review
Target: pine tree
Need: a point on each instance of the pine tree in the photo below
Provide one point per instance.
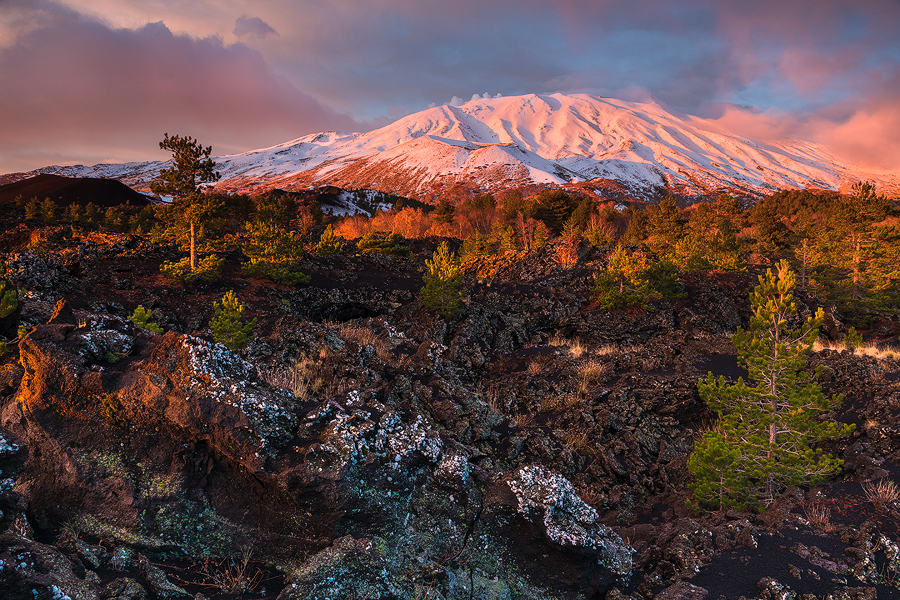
(8, 304)
(273, 253)
(191, 168)
(554, 207)
(858, 259)
(442, 279)
(33, 209)
(771, 425)
(637, 230)
(228, 324)
(665, 226)
(141, 318)
(443, 212)
(772, 235)
(328, 243)
(629, 279)
(48, 211)
(9, 300)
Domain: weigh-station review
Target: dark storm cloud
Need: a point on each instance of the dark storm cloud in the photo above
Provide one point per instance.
(252, 26)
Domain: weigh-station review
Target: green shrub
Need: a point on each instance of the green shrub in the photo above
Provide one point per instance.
(631, 280)
(274, 253)
(207, 269)
(853, 339)
(383, 242)
(328, 243)
(48, 211)
(33, 209)
(9, 300)
(228, 324)
(442, 278)
(141, 318)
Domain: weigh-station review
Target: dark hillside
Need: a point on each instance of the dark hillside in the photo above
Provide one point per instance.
(65, 191)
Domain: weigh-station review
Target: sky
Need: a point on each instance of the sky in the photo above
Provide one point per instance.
(90, 81)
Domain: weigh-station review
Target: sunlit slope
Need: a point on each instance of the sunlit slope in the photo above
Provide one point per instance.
(533, 139)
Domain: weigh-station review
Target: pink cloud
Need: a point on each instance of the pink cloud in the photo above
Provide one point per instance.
(86, 90)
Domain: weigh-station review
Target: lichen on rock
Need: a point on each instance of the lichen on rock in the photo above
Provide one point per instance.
(567, 519)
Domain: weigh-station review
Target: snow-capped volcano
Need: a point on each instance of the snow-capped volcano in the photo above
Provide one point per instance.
(494, 143)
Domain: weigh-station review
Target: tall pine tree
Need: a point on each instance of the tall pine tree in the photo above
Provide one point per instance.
(765, 430)
(191, 167)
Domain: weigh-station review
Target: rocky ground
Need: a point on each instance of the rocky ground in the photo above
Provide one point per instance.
(360, 447)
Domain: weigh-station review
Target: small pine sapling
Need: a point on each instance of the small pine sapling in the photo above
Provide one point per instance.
(328, 243)
(853, 339)
(274, 253)
(629, 279)
(9, 300)
(8, 304)
(442, 278)
(228, 324)
(141, 318)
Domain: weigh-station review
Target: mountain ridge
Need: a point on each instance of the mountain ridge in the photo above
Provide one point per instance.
(532, 140)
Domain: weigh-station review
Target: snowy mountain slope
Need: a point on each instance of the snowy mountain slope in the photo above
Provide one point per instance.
(494, 143)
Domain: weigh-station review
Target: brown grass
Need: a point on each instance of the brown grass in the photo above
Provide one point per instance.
(869, 349)
(818, 515)
(882, 492)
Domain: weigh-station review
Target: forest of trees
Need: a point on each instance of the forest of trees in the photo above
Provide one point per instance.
(845, 248)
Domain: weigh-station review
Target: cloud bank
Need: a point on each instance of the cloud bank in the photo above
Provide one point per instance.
(102, 79)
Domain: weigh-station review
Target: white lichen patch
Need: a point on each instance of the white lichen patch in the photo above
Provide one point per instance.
(7, 447)
(398, 439)
(98, 345)
(220, 374)
(346, 436)
(568, 520)
(455, 470)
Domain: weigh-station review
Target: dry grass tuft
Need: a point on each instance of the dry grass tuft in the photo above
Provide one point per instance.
(592, 497)
(576, 347)
(300, 380)
(233, 576)
(882, 492)
(818, 515)
(593, 370)
(576, 440)
(885, 353)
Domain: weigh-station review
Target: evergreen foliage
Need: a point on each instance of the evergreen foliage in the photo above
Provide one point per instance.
(772, 235)
(9, 299)
(853, 339)
(8, 304)
(443, 212)
(763, 440)
(383, 242)
(710, 241)
(858, 259)
(638, 223)
(328, 242)
(554, 207)
(49, 211)
(442, 279)
(141, 318)
(228, 324)
(191, 167)
(666, 226)
(630, 279)
(206, 271)
(274, 253)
